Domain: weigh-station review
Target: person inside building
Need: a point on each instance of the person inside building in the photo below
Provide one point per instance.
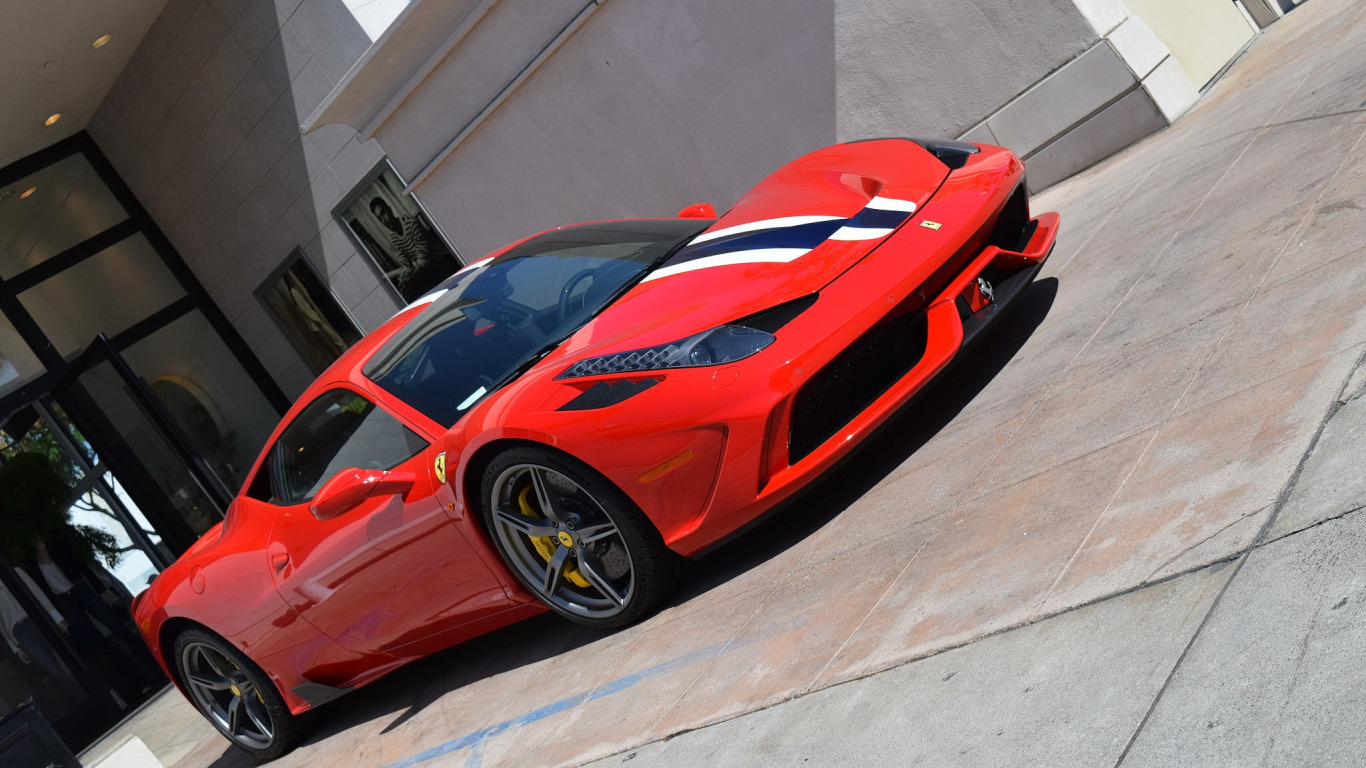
(83, 599)
(26, 640)
(410, 244)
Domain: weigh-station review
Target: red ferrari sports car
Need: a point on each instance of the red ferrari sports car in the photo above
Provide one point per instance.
(555, 426)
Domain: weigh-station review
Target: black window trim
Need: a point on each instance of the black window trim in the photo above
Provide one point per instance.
(267, 459)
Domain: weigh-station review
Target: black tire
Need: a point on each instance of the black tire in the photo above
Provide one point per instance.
(234, 695)
(574, 539)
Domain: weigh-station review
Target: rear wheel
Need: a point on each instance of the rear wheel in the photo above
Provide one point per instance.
(575, 540)
(234, 695)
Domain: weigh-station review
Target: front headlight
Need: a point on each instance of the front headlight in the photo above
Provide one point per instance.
(724, 344)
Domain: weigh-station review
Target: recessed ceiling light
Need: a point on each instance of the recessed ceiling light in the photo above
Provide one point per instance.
(53, 118)
(101, 40)
(27, 192)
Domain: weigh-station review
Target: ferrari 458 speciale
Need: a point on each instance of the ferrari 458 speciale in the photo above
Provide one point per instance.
(556, 425)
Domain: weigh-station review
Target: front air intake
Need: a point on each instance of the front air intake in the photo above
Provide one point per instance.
(853, 380)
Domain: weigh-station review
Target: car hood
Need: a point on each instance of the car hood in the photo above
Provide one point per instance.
(790, 236)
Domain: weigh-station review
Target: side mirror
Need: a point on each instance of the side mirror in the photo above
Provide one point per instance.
(350, 487)
(698, 211)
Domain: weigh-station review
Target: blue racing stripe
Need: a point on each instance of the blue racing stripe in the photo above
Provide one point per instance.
(806, 236)
(803, 236)
(876, 218)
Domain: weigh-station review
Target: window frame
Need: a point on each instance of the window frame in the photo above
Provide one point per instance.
(263, 478)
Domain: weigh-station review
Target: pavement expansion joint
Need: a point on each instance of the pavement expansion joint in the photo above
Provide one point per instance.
(1204, 622)
(1258, 542)
(1335, 406)
(1309, 527)
(1196, 545)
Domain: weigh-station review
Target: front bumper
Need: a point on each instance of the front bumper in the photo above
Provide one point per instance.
(837, 384)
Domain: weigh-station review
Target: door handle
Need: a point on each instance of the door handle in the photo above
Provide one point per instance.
(279, 556)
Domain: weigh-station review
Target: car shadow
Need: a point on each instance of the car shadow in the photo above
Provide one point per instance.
(408, 691)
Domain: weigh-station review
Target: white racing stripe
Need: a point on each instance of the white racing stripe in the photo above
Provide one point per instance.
(753, 226)
(782, 255)
(891, 204)
(860, 233)
(756, 256)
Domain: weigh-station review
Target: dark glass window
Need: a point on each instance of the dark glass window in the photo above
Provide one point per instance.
(339, 430)
(496, 319)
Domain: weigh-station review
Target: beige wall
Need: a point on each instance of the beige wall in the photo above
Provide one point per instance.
(1203, 35)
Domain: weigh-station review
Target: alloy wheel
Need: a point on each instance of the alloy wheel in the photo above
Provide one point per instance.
(227, 695)
(562, 542)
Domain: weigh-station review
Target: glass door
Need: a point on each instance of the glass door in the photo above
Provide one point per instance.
(74, 549)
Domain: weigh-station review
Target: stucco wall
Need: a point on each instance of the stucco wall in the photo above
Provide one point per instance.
(937, 69)
(648, 107)
(1202, 34)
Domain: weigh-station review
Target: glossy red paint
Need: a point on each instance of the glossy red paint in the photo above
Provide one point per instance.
(387, 567)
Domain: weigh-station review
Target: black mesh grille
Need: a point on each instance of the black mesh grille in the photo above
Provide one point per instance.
(853, 380)
(773, 318)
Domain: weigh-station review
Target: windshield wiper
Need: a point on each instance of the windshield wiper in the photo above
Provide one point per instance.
(527, 364)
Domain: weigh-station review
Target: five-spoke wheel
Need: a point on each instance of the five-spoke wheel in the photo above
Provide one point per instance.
(236, 697)
(575, 540)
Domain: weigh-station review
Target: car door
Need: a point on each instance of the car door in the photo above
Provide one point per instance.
(388, 570)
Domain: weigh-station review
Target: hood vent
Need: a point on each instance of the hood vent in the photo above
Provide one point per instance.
(773, 318)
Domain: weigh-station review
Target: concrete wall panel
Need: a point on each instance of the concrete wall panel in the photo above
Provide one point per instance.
(1116, 127)
(1171, 89)
(938, 69)
(1140, 48)
(1066, 98)
(1104, 15)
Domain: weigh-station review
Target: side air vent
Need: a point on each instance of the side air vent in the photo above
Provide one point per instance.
(773, 318)
(606, 393)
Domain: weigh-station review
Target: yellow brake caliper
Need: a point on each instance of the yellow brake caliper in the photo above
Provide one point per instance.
(546, 545)
(234, 690)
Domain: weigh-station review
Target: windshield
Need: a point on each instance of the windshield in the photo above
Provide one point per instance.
(494, 320)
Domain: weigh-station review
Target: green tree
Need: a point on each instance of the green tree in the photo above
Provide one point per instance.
(35, 499)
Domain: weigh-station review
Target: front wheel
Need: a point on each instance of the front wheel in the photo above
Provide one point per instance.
(234, 695)
(575, 540)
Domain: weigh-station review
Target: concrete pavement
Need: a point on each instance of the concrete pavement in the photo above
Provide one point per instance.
(1113, 523)
(1255, 661)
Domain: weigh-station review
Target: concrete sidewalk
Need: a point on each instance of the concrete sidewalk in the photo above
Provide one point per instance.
(1084, 533)
(1254, 661)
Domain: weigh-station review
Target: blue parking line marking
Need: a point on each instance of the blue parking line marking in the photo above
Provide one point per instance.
(475, 741)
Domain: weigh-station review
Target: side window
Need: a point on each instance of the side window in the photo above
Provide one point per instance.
(337, 431)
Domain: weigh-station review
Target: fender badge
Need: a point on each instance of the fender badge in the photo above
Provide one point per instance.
(927, 224)
(440, 467)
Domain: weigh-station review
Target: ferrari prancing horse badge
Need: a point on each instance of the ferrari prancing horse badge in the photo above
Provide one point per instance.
(441, 467)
